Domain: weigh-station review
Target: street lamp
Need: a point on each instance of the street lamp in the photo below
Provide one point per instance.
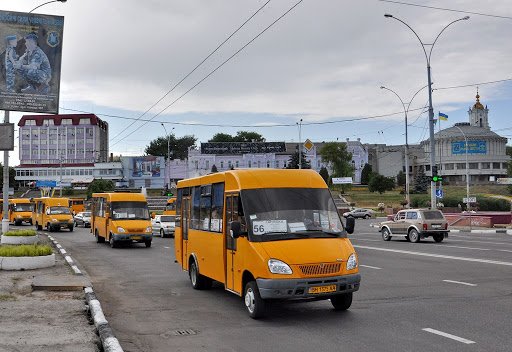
(168, 154)
(430, 108)
(406, 111)
(300, 141)
(49, 2)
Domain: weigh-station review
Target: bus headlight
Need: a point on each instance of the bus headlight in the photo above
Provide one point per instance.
(149, 229)
(55, 220)
(278, 267)
(352, 262)
(121, 230)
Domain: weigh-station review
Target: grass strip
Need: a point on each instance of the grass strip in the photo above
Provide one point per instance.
(20, 233)
(25, 250)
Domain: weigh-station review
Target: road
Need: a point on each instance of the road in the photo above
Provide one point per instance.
(449, 296)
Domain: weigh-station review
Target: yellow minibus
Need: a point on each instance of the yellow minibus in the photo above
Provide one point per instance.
(170, 207)
(52, 213)
(121, 217)
(76, 205)
(20, 210)
(267, 235)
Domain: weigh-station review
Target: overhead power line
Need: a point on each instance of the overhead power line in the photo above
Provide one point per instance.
(195, 68)
(474, 84)
(219, 66)
(447, 9)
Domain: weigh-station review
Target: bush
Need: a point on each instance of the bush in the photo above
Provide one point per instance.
(67, 191)
(20, 233)
(493, 204)
(25, 250)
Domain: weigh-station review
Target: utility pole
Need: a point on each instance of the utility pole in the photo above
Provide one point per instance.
(5, 190)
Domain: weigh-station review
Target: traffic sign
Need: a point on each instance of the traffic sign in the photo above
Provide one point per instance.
(341, 180)
(46, 183)
(308, 145)
(471, 200)
(439, 193)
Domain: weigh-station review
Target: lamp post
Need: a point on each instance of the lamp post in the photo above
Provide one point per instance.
(430, 108)
(300, 141)
(49, 2)
(168, 154)
(467, 166)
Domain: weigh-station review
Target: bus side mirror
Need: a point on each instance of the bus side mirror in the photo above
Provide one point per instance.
(235, 229)
(47, 211)
(350, 224)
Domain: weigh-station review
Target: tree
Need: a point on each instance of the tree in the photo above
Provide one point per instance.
(214, 169)
(366, 174)
(339, 159)
(12, 176)
(293, 162)
(178, 146)
(241, 136)
(325, 174)
(380, 183)
(421, 182)
(99, 186)
(400, 179)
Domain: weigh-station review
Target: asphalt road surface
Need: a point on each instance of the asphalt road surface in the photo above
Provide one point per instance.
(449, 296)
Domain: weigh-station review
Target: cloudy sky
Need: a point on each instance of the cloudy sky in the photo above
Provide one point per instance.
(323, 62)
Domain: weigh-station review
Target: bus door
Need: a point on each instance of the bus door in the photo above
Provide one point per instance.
(185, 215)
(231, 243)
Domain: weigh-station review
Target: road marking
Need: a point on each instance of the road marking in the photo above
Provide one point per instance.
(450, 336)
(369, 266)
(460, 282)
(486, 261)
(167, 247)
(462, 247)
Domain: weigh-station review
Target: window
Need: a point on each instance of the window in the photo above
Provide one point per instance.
(217, 207)
(473, 166)
(504, 166)
(495, 165)
(236, 164)
(207, 164)
(427, 168)
(449, 166)
(222, 164)
(461, 166)
(486, 166)
(67, 122)
(277, 164)
(249, 163)
(268, 164)
(84, 121)
(196, 201)
(412, 215)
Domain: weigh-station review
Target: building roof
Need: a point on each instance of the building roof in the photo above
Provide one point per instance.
(94, 120)
(471, 132)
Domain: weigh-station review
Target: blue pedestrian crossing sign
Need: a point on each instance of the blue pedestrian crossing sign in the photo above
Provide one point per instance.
(439, 193)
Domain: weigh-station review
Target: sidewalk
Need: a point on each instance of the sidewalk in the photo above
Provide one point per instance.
(44, 310)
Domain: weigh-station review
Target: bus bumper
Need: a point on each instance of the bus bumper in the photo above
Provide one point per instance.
(133, 237)
(304, 288)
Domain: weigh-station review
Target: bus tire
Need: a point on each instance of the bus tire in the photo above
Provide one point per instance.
(70, 227)
(49, 228)
(147, 243)
(30, 222)
(17, 222)
(98, 238)
(342, 301)
(198, 281)
(255, 305)
(113, 243)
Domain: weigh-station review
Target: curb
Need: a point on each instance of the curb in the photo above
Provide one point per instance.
(108, 340)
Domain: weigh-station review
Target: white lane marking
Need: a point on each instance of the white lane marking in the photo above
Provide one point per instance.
(486, 261)
(167, 247)
(369, 266)
(462, 247)
(460, 283)
(450, 336)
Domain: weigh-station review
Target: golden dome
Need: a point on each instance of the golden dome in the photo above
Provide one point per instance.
(478, 105)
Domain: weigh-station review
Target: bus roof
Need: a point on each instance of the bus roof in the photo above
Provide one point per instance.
(19, 200)
(260, 178)
(53, 201)
(121, 196)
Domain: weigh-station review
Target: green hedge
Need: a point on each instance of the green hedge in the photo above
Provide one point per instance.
(20, 233)
(25, 250)
(483, 203)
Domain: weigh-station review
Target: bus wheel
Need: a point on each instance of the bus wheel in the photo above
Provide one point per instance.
(49, 228)
(17, 222)
(342, 302)
(198, 281)
(256, 306)
(30, 221)
(147, 243)
(98, 238)
(112, 242)
(70, 227)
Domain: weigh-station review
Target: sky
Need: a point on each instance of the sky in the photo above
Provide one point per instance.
(321, 66)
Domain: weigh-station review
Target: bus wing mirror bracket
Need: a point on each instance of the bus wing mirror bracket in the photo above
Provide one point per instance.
(235, 229)
(350, 224)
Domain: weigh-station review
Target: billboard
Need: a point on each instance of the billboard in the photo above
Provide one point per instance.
(146, 166)
(474, 147)
(235, 148)
(30, 61)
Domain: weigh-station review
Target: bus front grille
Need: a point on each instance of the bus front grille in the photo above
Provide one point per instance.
(320, 269)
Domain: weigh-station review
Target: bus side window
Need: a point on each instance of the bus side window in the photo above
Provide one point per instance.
(238, 210)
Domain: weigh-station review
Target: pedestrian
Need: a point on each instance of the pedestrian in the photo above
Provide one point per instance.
(34, 67)
(11, 57)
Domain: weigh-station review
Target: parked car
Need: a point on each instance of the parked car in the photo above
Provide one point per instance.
(415, 224)
(163, 225)
(83, 218)
(359, 213)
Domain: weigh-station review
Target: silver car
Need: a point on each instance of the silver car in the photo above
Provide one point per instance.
(359, 213)
(163, 225)
(83, 218)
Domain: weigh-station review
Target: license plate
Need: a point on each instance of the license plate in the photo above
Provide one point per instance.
(322, 289)
(436, 226)
(136, 237)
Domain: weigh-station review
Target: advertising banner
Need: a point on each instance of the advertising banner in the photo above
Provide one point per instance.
(474, 147)
(146, 166)
(236, 148)
(30, 61)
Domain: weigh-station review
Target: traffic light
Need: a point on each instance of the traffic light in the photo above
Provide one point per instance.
(435, 176)
(170, 194)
